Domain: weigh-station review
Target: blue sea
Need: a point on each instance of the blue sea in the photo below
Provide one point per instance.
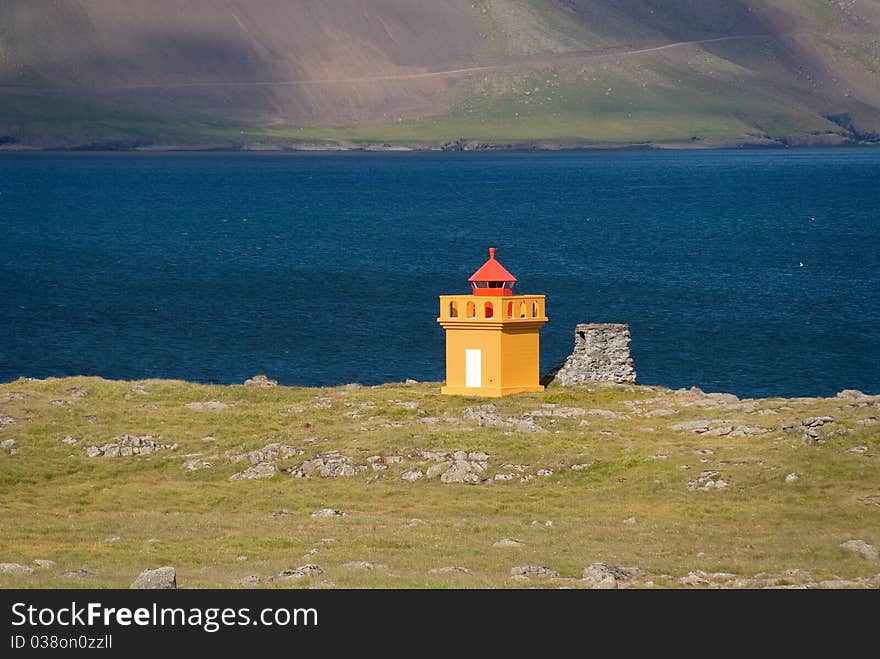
(752, 272)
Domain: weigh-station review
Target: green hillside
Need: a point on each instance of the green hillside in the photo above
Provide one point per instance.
(477, 74)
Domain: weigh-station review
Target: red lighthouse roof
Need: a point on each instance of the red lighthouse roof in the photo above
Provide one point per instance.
(492, 278)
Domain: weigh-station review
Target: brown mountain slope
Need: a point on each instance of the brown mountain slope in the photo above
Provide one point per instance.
(614, 71)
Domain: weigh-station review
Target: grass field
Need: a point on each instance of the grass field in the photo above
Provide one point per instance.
(628, 503)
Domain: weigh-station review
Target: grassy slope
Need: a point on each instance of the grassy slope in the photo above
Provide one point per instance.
(55, 503)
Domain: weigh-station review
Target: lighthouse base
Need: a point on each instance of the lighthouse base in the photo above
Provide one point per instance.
(488, 392)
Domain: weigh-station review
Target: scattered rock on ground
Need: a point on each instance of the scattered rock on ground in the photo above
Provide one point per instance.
(15, 568)
(328, 512)
(6, 421)
(269, 453)
(256, 471)
(195, 464)
(463, 471)
(70, 439)
(631, 520)
(160, 578)
(792, 478)
(533, 571)
(126, 446)
(250, 580)
(508, 542)
(707, 480)
(412, 475)
(309, 570)
(862, 548)
(330, 464)
(44, 563)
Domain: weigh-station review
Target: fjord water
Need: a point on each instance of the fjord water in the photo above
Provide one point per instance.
(754, 272)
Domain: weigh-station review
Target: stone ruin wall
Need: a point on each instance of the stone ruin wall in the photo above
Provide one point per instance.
(601, 354)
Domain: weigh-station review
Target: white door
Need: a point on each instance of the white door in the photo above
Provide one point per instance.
(473, 373)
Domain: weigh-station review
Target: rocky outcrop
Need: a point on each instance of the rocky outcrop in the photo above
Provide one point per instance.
(601, 354)
(330, 464)
(127, 445)
(260, 382)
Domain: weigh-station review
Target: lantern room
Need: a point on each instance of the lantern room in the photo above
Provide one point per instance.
(492, 278)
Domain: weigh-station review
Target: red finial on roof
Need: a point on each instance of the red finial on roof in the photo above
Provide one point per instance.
(492, 253)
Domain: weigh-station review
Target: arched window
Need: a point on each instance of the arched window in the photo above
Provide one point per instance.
(453, 310)
(489, 309)
(534, 309)
(510, 309)
(471, 310)
(522, 310)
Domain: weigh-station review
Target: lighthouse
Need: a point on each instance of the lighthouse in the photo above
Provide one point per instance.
(492, 336)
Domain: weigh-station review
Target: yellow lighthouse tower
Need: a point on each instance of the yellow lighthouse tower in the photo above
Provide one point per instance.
(492, 341)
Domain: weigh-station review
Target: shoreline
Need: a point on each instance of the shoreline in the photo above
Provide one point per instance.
(457, 146)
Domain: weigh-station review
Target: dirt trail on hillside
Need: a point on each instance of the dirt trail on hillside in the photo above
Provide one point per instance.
(521, 62)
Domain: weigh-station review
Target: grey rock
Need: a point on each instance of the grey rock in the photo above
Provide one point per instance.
(437, 469)
(857, 449)
(7, 444)
(452, 569)
(478, 456)
(6, 421)
(429, 420)
(269, 453)
(461, 471)
(284, 512)
(706, 481)
(544, 472)
(140, 389)
(44, 563)
(160, 578)
(328, 512)
(15, 568)
(304, 571)
(605, 576)
(533, 571)
(70, 439)
(817, 421)
(250, 580)
(507, 542)
(259, 470)
(412, 475)
(792, 478)
(260, 382)
(580, 466)
(631, 520)
(601, 354)
(127, 446)
(331, 464)
(862, 548)
(700, 426)
(483, 415)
